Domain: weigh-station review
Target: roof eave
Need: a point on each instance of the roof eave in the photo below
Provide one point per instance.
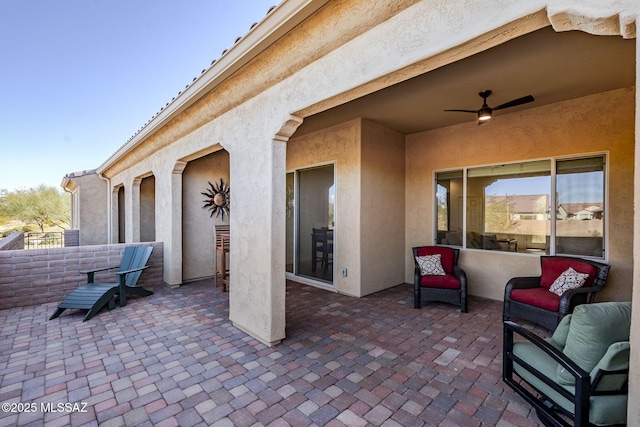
(272, 27)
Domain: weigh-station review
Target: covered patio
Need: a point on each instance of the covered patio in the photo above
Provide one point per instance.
(366, 96)
(175, 359)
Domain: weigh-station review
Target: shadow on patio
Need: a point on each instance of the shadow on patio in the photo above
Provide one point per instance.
(175, 359)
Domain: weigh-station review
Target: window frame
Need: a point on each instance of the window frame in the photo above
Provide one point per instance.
(553, 206)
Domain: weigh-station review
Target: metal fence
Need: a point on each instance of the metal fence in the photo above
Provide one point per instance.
(39, 240)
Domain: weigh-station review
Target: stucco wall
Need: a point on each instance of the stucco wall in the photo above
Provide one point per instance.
(602, 122)
(339, 144)
(382, 208)
(369, 236)
(197, 226)
(91, 209)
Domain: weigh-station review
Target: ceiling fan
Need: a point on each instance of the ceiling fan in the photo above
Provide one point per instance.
(485, 112)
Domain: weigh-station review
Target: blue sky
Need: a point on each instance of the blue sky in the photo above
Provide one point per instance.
(585, 187)
(78, 78)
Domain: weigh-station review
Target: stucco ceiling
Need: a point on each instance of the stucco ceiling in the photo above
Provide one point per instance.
(551, 66)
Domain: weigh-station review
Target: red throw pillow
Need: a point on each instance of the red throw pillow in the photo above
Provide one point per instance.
(552, 268)
(446, 255)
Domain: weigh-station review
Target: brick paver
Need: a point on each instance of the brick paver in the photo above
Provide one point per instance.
(174, 358)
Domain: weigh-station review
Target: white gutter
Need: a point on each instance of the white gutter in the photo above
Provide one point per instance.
(276, 24)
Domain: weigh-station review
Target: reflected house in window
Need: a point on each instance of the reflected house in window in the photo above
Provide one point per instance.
(580, 211)
(524, 216)
(509, 206)
(522, 207)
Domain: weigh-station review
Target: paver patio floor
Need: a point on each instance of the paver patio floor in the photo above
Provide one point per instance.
(175, 359)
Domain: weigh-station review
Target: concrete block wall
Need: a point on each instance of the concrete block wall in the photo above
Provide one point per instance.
(39, 276)
(71, 238)
(13, 241)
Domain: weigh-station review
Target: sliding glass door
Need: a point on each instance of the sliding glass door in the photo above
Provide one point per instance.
(310, 223)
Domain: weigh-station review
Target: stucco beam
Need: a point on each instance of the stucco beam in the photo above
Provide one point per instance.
(388, 62)
(416, 51)
(200, 153)
(603, 19)
(288, 128)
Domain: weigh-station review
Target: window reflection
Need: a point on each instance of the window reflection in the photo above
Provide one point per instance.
(449, 207)
(580, 211)
(509, 207)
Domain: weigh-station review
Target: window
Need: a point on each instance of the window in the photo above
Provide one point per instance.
(509, 207)
(580, 211)
(449, 207)
(508, 204)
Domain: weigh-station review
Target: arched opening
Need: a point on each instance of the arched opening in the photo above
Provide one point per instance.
(148, 209)
(197, 222)
(121, 215)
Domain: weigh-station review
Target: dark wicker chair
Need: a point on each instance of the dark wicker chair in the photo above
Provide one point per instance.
(450, 288)
(529, 298)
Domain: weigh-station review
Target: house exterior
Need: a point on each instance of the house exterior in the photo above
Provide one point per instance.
(527, 207)
(581, 211)
(329, 114)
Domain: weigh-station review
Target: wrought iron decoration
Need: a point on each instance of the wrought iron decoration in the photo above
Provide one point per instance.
(218, 199)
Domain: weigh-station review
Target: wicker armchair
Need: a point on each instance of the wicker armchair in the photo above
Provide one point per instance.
(449, 287)
(529, 298)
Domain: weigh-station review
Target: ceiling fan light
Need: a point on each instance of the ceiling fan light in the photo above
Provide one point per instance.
(484, 114)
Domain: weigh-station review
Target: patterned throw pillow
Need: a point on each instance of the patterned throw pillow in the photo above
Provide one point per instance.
(430, 265)
(570, 279)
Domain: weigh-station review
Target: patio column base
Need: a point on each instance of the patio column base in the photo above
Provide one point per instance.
(248, 332)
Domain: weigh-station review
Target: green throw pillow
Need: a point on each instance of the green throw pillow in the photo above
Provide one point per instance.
(593, 328)
(562, 330)
(616, 358)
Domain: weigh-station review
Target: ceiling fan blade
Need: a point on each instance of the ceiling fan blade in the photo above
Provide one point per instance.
(519, 101)
(465, 111)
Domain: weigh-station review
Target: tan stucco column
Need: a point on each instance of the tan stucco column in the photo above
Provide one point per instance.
(134, 203)
(633, 414)
(131, 205)
(257, 219)
(169, 219)
(114, 223)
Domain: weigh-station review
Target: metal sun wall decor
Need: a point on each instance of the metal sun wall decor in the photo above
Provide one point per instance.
(218, 199)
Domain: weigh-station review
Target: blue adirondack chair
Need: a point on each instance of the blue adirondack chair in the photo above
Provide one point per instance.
(93, 296)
